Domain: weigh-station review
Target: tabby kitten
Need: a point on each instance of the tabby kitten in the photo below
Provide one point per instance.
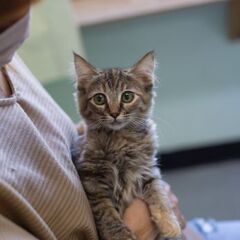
(117, 163)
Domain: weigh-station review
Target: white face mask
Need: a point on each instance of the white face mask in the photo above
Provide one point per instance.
(12, 38)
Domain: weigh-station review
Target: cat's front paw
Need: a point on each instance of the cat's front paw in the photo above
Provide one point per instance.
(168, 225)
(170, 228)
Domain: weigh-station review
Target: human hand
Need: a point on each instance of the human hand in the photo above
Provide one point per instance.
(137, 217)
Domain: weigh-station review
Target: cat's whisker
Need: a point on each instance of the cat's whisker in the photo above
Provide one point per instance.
(135, 123)
(95, 125)
(167, 123)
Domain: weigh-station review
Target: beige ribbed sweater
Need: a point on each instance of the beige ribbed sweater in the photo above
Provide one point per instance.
(41, 196)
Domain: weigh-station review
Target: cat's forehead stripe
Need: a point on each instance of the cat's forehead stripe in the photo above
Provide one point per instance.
(112, 79)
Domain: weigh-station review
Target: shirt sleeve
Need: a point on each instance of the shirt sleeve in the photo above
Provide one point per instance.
(10, 231)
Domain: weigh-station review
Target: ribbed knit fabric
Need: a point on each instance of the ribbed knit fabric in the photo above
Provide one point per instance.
(41, 196)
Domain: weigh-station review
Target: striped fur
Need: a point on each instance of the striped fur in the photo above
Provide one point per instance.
(117, 162)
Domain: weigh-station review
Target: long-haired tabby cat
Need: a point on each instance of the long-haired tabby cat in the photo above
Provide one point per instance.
(117, 162)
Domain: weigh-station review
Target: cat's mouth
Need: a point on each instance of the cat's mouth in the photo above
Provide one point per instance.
(116, 124)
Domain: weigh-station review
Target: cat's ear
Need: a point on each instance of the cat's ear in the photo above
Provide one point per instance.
(84, 69)
(145, 67)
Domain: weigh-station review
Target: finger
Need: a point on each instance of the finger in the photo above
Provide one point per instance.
(166, 186)
(180, 217)
(175, 206)
(173, 199)
(174, 203)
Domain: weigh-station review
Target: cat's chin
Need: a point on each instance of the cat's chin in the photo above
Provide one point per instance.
(116, 126)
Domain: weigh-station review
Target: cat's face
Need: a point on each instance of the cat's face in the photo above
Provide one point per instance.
(115, 98)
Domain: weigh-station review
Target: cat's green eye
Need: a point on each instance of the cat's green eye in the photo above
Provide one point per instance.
(127, 97)
(99, 99)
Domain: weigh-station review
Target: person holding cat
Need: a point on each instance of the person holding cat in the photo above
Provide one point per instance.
(41, 196)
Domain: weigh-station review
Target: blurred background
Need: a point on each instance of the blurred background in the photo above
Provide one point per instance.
(197, 110)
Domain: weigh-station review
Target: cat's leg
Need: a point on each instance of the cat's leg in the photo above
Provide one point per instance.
(156, 197)
(109, 224)
(108, 221)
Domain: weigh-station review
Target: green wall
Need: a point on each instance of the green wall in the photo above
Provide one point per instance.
(62, 91)
(198, 99)
(53, 37)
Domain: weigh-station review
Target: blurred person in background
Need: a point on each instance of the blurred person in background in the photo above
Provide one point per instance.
(41, 196)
